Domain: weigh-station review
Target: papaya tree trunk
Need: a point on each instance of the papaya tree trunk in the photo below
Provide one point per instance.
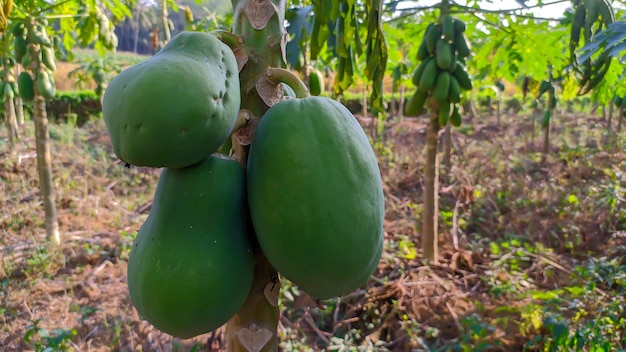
(498, 111)
(546, 141)
(447, 151)
(260, 24)
(167, 35)
(431, 185)
(11, 122)
(19, 104)
(620, 119)
(9, 109)
(44, 166)
(306, 68)
(532, 125)
(401, 107)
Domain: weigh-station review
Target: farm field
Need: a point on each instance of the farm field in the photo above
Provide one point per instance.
(541, 247)
(350, 176)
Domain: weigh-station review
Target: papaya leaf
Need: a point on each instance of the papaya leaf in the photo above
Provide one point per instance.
(300, 25)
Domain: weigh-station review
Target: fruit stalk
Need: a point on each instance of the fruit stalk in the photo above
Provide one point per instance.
(261, 25)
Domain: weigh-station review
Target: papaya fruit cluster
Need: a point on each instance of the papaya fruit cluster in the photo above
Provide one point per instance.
(587, 13)
(441, 75)
(310, 198)
(34, 50)
(8, 86)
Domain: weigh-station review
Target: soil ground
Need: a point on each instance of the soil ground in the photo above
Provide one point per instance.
(545, 218)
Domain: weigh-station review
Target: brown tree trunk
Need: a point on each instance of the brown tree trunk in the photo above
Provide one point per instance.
(11, 122)
(431, 197)
(19, 105)
(44, 166)
(447, 151)
(401, 107)
(9, 110)
(167, 35)
(620, 118)
(498, 111)
(532, 125)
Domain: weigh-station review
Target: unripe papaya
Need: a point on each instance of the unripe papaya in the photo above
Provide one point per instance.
(45, 85)
(442, 87)
(444, 113)
(455, 90)
(26, 86)
(462, 77)
(461, 45)
(459, 26)
(191, 264)
(444, 54)
(177, 107)
(316, 82)
(415, 105)
(417, 74)
(447, 27)
(433, 34)
(47, 57)
(455, 117)
(20, 46)
(315, 195)
(427, 80)
(422, 51)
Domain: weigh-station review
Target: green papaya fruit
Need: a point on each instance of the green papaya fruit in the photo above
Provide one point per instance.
(462, 77)
(315, 196)
(442, 87)
(415, 105)
(454, 95)
(20, 46)
(316, 83)
(8, 91)
(433, 34)
(443, 113)
(177, 107)
(47, 57)
(190, 267)
(419, 70)
(459, 26)
(427, 80)
(447, 27)
(455, 117)
(26, 86)
(461, 45)
(444, 54)
(422, 51)
(45, 85)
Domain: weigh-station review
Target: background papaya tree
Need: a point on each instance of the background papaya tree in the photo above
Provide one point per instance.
(42, 30)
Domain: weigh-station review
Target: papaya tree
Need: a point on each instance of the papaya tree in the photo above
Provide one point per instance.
(294, 191)
(40, 30)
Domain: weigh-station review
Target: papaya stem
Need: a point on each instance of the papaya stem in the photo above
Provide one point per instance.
(260, 24)
(278, 75)
(228, 38)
